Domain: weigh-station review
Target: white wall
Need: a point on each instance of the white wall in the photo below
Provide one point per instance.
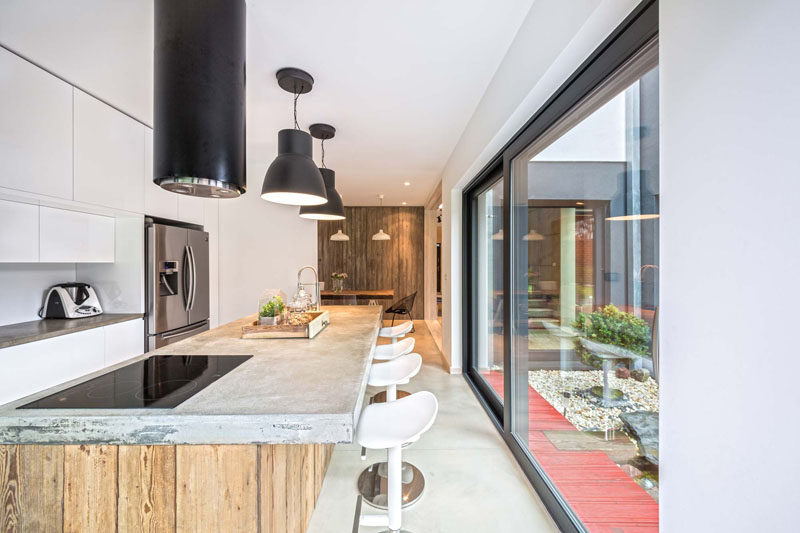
(262, 246)
(555, 38)
(729, 173)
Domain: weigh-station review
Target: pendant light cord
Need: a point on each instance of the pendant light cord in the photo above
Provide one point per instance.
(296, 96)
(322, 145)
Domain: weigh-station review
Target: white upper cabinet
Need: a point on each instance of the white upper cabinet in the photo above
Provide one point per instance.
(109, 156)
(157, 201)
(74, 237)
(191, 209)
(35, 129)
(19, 232)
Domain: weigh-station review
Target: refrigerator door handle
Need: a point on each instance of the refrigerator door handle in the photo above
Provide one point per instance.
(194, 277)
(187, 279)
(183, 331)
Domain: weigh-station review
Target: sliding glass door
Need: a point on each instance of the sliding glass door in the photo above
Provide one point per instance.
(562, 261)
(487, 366)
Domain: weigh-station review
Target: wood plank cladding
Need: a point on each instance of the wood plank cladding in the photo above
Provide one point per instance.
(267, 488)
(394, 264)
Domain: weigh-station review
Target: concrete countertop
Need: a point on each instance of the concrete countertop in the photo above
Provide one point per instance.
(37, 330)
(292, 391)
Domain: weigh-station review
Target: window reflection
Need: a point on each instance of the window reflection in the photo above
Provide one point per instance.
(584, 231)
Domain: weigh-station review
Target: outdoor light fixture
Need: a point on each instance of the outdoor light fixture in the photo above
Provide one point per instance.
(639, 216)
(293, 178)
(381, 236)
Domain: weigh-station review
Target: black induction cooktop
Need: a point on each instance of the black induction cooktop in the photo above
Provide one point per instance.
(158, 382)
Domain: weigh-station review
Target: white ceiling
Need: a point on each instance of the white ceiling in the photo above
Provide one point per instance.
(398, 80)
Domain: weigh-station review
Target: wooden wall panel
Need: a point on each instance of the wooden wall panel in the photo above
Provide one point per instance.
(160, 488)
(42, 487)
(90, 488)
(394, 264)
(10, 500)
(216, 488)
(146, 499)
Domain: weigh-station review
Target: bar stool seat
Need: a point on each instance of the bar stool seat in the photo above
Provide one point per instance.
(387, 352)
(394, 332)
(391, 424)
(388, 426)
(395, 372)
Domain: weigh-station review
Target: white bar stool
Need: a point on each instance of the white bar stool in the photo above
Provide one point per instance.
(371, 486)
(387, 352)
(388, 426)
(394, 333)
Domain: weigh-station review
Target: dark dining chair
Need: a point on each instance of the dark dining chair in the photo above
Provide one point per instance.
(403, 306)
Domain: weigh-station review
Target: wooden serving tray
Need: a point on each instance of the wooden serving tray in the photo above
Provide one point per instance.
(319, 321)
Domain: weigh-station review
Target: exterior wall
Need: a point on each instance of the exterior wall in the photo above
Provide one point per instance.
(729, 261)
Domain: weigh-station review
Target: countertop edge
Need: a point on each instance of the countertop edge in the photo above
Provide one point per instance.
(178, 429)
(99, 321)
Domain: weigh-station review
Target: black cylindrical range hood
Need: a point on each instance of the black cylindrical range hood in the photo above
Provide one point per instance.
(199, 97)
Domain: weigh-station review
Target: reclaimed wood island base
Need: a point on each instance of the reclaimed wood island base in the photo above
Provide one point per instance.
(248, 453)
(259, 487)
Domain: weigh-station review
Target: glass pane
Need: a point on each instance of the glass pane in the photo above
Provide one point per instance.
(487, 216)
(585, 307)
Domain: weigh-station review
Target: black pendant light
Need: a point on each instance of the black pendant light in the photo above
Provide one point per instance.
(199, 97)
(333, 209)
(293, 178)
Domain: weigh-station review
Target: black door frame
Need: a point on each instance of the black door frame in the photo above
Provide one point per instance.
(637, 30)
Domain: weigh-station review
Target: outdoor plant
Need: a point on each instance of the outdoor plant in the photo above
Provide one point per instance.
(272, 308)
(609, 325)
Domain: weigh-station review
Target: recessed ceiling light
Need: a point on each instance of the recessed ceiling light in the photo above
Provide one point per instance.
(405, 203)
(407, 183)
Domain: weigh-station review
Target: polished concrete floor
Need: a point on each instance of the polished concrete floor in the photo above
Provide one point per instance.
(473, 483)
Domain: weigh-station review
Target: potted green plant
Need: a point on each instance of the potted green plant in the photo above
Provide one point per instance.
(271, 312)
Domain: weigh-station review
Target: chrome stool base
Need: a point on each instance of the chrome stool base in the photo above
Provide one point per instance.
(381, 396)
(372, 485)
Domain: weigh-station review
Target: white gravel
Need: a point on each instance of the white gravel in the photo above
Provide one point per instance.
(584, 410)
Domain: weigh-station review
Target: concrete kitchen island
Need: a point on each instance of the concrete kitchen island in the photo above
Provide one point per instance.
(248, 452)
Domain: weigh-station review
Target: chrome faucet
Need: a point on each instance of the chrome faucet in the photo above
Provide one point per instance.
(316, 282)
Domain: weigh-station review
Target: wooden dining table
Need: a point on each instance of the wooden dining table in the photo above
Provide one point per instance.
(367, 294)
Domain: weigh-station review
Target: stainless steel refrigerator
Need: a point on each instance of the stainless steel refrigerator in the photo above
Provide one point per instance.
(176, 282)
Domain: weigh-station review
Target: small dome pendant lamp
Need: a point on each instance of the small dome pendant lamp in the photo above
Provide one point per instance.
(381, 236)
(333, 209)
(293, 178)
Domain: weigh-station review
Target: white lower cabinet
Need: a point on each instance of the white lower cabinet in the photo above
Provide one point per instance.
(123, 341)
(75, 237)
(35, 366)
